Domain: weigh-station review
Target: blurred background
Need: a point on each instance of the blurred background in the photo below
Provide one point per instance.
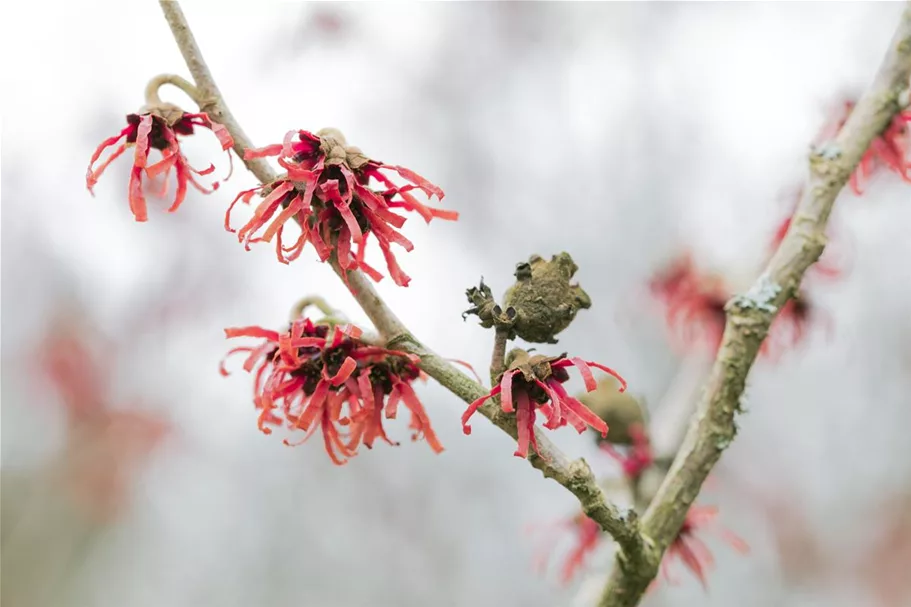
(626, 134)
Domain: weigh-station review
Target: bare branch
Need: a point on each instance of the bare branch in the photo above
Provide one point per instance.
(749, 316)
(553, 463)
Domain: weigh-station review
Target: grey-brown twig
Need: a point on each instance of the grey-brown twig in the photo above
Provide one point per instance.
(498, 356)
(553, 463)
(750, 315)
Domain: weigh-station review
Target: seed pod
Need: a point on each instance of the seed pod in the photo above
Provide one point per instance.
(544, 300)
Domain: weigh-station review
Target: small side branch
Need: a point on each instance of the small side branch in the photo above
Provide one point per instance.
(750, 316)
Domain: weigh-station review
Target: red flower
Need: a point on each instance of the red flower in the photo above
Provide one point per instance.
(326, 190)
(534, 383)
(638, 457)
(158, 129)
(691, 550)
(695, 310)
(891, 149)
(314, 376)
(694, 303)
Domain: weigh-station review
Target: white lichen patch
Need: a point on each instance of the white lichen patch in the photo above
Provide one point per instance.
(829, 151)
(760, 296)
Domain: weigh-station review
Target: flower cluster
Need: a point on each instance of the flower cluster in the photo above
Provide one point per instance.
(158, 128)
(691, 550)
(890, 150)
(535, 383)
(324, 376)
(326, 191)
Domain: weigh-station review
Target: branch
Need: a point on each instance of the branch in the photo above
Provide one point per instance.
(576, 475)
(749, 316)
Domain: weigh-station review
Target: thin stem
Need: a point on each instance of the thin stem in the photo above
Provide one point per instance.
(749, 316)
(151, 92)
(498, 356)
(312, 300)
(576, 475)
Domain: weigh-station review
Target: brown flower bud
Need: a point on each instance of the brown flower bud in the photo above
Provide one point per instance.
(544, 300)
(619, 410)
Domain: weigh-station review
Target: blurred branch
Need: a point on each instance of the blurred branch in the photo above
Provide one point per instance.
(576, 475)
(749, 316)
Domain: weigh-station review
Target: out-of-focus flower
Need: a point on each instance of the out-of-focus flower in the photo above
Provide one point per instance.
(586, 537)
(890, 150)
(326, 190)
(694, 310)
(158, 128)
(104, 446)
(691, 550)
(535, 383)
(323, 376)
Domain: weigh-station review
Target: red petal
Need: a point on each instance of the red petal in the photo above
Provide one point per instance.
(251, 332)
(506, 391)
(270, 150)
(473, 407)
(586, 372)
(429, 188)
(136, 197)
(611, 372)
(344, 372)
(524, 431)
(417, 409)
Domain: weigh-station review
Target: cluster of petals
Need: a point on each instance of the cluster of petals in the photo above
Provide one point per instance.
(326, 190)
(535, 384)
(158, 129)
(691, 550)
(317, 376)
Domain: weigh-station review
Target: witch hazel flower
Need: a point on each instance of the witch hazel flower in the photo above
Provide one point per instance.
(891, 150)
(533, 384)
(694, 304)
(327, 191)
(157, 127)
(689, 549)
(322, 376)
